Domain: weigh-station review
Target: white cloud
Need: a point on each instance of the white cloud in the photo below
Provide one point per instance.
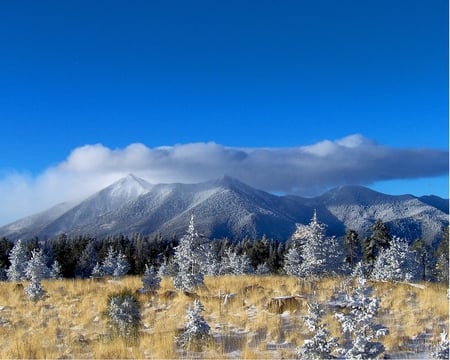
(305, 170)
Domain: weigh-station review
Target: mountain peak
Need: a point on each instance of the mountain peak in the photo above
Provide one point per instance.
(129, 186)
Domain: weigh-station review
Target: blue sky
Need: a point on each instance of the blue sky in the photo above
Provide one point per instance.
(240, 74)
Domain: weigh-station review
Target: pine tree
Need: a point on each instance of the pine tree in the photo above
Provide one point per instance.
(151, 281)
(55, 272)
(96, 271)
(292, 262)
(442, 258)
(121, 265)
(189, 258)
(262, 269)
(211, 263)
(396, 263)
(357, 324)
(353, 247)
(196, 332)
(87, 261)
(320, 256)
(235, 264)
(18, 259)
(114, 264)
(321, 345)
(109, 262)
(124, 314)
(35, 271)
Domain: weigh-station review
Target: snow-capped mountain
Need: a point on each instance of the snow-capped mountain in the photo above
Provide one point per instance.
(227, 207)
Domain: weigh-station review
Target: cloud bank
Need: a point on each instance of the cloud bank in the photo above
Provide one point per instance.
(304, 170)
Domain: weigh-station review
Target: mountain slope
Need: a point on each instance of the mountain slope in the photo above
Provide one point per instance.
(226, 207)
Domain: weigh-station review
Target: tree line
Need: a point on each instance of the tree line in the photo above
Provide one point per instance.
(77, 256)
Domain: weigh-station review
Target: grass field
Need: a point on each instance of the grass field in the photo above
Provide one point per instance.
(70, 323)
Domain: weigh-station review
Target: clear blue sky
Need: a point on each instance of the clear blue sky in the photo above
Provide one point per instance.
(239, 73)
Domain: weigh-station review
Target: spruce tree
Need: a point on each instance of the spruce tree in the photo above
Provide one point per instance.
(35, 271)
(321, 345)
(357, 323)
(396, 263)
(196, 333)
(188, 259)
(18, 259)
(320, 256)
(151, 280)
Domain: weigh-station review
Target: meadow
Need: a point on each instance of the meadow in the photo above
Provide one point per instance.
(248, 316)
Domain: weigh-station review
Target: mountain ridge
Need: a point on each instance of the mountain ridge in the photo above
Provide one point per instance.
(226, 207)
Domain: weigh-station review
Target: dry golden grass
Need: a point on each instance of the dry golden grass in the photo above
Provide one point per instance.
(69, 323)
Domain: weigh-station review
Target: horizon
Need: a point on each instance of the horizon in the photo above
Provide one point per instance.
(293, 97)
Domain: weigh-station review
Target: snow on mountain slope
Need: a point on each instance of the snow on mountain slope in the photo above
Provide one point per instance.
(227, 207)
(358, 208)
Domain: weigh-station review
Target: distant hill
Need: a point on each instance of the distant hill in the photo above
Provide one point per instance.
(226, 207)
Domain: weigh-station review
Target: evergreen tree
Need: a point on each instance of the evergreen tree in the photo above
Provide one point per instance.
(211, 263)
(5, 248)
(320, 256)
(196, 332)
(357, 324)
(425, 259)
(151, 281)
(18, 260)
(121, 265)
(352, 247)
(235, 264)
(55, 272)
(442, 258)
(396, 263)
(97, 271)
(124, 314)
(262, 269)
(87, 261)
(35, 271)
(109, 262)
(188, 258)
(292, 262)
(321, 345)
(380, 239)
(114, 264)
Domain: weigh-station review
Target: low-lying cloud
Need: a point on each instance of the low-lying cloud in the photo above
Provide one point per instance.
(304, 170)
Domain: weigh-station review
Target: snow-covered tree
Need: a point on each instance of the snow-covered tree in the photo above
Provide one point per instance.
(87, 261)
(96, 271)
(442, 349)
(292, 262)
(18, 259)
(151, 281)
(108, 264)
(114, 264)
(162, 270)
(211, 261)
(262, 269)
(189, 258)
(55, 271)
(235, 264)
(35, 271)
(36, 268)
(321, 345)
(357, 323)
(124, 314)
(320, 256)
(122, 266)
(396, 263)
(196, 332)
